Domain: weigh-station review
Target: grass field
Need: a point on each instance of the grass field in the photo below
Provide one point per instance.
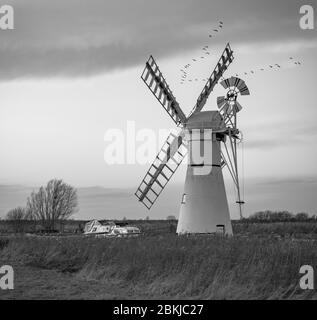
(261, 262)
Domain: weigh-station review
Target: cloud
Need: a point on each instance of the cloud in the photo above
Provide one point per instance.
(281, 134)
(75, 38)
(263, 143)
(288, 181)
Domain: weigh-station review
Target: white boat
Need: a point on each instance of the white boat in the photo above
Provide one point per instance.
(110, 229)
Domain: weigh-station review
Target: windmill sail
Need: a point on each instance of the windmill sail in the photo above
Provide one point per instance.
(155, 81)
(162, 169)
(222, 65)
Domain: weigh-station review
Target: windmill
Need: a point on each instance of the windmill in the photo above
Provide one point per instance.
(204, 205)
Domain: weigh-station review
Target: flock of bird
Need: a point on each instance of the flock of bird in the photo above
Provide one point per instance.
(272, 67)
(291, 61)
(205, 52)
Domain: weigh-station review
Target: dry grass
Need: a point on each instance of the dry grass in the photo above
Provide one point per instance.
(298, 230)
(168, 266)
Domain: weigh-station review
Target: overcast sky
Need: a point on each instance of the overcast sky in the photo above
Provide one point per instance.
(71, 70)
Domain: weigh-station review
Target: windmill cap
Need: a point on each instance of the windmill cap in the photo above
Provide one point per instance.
(206, 120)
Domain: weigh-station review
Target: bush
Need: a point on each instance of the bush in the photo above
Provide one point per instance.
(3, 243)
(270, 216)
(17, 216)
(302, 216)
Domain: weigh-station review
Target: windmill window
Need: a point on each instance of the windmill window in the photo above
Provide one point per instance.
(184, 198)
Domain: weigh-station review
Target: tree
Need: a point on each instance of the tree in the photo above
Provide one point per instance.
(171, 217)
(57, 201)
(16, 216)
(271, 216)
(302, 216)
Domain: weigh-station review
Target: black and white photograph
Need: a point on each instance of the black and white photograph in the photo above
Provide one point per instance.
(158, 155)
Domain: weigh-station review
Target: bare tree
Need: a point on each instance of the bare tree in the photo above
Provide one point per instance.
(16, 216)
(57, 201)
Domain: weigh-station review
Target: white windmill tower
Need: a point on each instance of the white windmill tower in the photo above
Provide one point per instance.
(204, 205)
